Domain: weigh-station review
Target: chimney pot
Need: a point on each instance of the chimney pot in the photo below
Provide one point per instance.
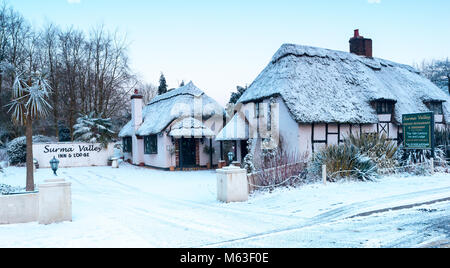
(356, 33)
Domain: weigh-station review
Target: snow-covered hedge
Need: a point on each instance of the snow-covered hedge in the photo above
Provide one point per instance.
(17, 148)
(7, 189)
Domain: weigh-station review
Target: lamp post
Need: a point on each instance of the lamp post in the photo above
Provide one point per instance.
(54, 165)
(231, 158)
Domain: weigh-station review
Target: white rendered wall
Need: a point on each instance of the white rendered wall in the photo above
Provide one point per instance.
(19, 208)
(163, 158)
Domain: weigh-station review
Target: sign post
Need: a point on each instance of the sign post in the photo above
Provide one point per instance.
(418, 131)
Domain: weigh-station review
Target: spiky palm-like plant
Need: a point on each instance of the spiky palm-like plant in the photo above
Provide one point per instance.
(377, 147)
(30, 92)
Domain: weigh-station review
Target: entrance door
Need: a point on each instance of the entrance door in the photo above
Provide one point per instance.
(188, 153)
(244, 149)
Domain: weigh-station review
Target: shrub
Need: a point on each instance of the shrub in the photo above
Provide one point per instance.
(377, 147)
(17, 148)
(93, 129)
(344, 161)
(209, 150)
(64, 133)
(276, 167)
(442, 138)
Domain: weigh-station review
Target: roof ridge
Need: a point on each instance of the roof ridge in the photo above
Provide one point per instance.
(289, 49)
(178, 92)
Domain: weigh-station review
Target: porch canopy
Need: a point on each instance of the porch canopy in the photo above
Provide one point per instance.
(190, 128)
(236, 129)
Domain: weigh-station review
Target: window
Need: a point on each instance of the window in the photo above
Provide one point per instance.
(257, 109)
(260, 109)
(435, 107)
(127, 145)
(151, 144)
(385, 107)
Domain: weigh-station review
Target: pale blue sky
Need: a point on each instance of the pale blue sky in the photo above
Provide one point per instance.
(223, 43)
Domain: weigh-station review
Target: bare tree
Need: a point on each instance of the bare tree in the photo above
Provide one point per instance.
(438, 71)
(88, 72)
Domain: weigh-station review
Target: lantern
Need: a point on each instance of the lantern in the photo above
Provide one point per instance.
(54, 165)
(231, 157)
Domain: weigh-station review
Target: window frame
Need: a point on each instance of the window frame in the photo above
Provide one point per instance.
(385, 107)
(127, 143)
(151, 145)
(436, 107)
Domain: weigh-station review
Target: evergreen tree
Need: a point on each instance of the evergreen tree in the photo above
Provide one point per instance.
(182, 84)
(63, 132)
(162, 89)
(235, 96)
(93, 129)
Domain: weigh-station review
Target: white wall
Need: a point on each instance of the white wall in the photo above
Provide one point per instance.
(162, 159)
(19, 208)
(72, 154)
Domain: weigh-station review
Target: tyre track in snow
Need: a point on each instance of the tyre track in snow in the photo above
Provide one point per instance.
(193, 204)
(344, 212)
(174, 204)
(164, 214)
(142, 216)
(143, 212)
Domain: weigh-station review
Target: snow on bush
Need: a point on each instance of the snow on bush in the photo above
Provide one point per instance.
(7, 189)
(93, 129)
(276, 168)
(442, 138)
(418, 162)
(248, 159)
(344, 161)
(378, 148)
(17, 148)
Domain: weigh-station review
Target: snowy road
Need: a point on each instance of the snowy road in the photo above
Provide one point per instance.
(138, 207)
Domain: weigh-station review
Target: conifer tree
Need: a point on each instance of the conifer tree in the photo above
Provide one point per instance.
(92, 129)
(162, 89)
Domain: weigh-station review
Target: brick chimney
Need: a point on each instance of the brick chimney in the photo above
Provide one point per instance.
(361, 46)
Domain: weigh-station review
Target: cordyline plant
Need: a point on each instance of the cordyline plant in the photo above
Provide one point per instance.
(30, 92)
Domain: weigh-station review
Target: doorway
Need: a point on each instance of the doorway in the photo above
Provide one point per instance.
(188, 151)
(244, 149)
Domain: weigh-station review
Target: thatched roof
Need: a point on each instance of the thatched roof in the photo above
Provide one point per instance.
(174, 105)
(190, 127)
(322, 85)
(236, 129)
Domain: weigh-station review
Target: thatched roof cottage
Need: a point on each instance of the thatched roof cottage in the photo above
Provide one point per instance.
(173, 130)
(322, 95)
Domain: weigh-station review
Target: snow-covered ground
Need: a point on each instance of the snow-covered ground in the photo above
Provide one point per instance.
(140, 207)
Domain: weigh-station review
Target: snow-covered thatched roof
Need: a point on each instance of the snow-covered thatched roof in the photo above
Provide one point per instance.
(327, 86)
(190, 127)
(236, 129)
(184, 102)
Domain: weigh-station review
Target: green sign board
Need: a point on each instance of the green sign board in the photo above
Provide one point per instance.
(418, 131)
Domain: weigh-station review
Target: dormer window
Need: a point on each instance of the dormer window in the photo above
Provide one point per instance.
(385, 106)
(435, 107)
